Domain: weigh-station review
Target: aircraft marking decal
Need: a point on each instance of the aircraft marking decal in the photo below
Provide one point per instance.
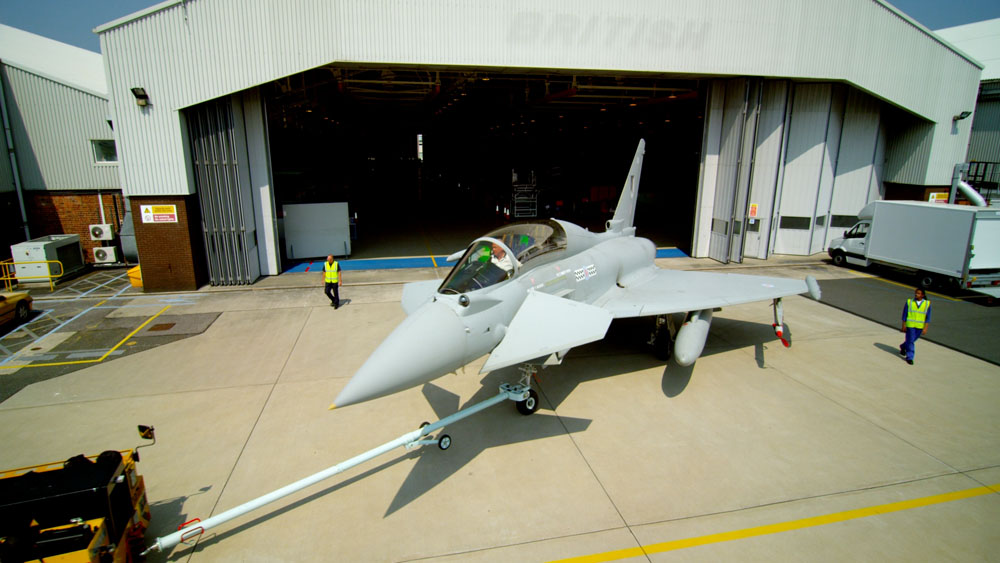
(585, 273)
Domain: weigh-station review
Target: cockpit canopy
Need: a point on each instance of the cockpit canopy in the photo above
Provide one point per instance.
(498, 256)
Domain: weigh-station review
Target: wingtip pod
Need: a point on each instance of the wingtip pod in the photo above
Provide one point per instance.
(813, 286)
(625, 211)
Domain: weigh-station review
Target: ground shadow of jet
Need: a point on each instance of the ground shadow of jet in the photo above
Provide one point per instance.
(497, 426)
(625, 350)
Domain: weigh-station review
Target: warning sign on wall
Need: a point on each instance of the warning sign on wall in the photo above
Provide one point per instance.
(158, 213)
(753, 210)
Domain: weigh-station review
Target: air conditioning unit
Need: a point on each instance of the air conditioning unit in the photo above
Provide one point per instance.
(101, 232)
(105, 255)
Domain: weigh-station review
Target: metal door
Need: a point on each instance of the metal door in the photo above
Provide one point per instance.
(739, 126)
(221, 180)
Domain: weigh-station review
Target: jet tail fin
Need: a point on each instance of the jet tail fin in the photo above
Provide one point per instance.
(625, 212)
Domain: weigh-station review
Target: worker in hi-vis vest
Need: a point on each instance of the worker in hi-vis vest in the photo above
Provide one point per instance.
(331, 275)
(916, 320)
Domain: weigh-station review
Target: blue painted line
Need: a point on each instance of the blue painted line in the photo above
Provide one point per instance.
(378, 264)
(106, 283)
(392, 263)
(670, 253)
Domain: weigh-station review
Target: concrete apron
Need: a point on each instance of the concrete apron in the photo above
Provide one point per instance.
(625, 451)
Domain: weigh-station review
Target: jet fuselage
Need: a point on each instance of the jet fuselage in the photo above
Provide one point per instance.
(453, 329)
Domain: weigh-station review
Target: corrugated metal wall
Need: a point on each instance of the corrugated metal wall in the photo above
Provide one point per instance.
(984, 143)
(53, 125)
(6, 174)
(908, 155)
(189, 52)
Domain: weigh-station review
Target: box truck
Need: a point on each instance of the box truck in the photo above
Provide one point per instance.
(938, 242)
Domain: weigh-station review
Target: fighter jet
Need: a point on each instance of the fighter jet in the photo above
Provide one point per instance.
(528, 292)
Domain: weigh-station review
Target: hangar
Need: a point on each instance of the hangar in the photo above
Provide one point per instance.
(768, 125)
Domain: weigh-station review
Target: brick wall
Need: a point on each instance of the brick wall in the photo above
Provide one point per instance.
(72, 213)
(11, 230)
(172, 255)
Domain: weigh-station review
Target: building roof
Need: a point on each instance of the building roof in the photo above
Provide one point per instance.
(66, 64)
(981, 40)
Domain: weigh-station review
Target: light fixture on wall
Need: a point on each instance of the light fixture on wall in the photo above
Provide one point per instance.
(141, 97)
(961, 116)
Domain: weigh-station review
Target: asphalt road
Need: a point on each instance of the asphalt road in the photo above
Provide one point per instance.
(960, 322)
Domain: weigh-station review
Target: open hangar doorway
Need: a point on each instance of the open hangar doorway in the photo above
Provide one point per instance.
(427, 159)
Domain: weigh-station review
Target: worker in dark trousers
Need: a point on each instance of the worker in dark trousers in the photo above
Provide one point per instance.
(916, 321)
(331, 275)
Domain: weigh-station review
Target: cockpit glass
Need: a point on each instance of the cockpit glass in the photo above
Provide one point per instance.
(531, 239)
(487, 263)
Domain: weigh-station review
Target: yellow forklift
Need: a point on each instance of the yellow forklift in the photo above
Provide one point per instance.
(85, 509)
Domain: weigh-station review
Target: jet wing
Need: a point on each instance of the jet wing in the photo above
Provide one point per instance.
(545, 324)
(660, 292)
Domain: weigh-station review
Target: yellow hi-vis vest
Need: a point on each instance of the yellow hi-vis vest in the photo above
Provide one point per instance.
(916, 315)
(331, 273)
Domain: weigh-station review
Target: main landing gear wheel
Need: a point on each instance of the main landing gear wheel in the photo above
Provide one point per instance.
(444, 442)
(529, 405)
(660, 338)
(662, 345)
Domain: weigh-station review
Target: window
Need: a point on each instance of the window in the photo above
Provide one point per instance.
(104, 151)
(843, 221)
(859, 231)
(790, 222)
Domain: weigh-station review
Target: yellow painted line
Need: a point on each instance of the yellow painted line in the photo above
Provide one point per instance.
(783, 526)
(98, 360)
(869, 276)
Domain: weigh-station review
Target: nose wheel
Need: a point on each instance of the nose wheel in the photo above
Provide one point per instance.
(525, 398)
(529, 405)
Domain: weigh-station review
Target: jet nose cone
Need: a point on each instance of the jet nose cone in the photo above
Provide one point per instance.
(426, 345)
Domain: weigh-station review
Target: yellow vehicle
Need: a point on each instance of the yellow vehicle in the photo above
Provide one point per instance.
(86, 509)
(14, 306)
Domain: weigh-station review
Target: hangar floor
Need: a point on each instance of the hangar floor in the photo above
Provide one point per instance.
(833, 448)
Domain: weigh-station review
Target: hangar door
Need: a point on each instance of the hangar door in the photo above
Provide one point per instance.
(738, 134)
(219, 155)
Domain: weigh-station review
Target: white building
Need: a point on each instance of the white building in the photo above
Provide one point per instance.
(59, 143)
(769, 124)
(981, 40)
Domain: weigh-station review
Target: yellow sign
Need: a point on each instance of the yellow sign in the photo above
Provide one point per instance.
(158, 213)
(939, 197)
(753, 210)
